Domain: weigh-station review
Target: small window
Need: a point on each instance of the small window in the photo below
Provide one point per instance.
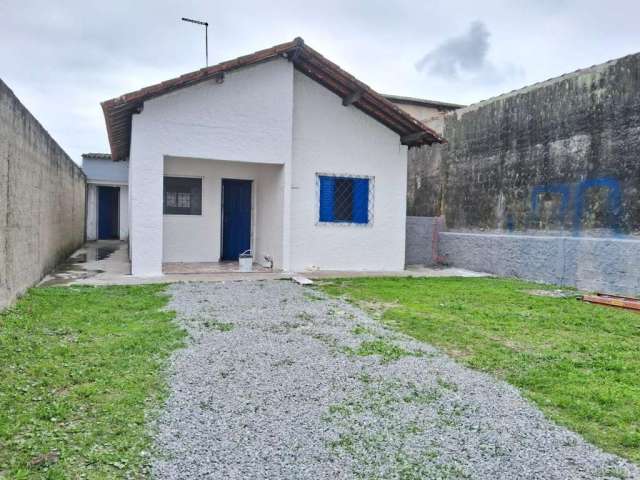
(182, 196)
(344, 199)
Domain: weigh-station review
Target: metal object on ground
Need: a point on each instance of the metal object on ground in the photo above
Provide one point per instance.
(245, 261)
(613, 301)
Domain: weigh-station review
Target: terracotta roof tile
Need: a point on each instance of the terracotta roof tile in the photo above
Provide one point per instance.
(118, 111)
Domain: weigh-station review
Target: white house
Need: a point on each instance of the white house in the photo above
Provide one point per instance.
(281, 152)
(107, 197)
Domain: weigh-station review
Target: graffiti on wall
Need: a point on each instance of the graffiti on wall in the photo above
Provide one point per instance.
(579, 191)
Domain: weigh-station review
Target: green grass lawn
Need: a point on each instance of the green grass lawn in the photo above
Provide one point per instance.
(579, 363)
(79, 368)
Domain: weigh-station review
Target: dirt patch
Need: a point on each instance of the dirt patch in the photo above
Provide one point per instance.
(553, 293)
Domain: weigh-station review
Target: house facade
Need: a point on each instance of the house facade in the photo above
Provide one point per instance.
(107, 197)
(280, 152)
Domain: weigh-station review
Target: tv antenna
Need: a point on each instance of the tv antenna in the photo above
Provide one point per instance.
(206, 35)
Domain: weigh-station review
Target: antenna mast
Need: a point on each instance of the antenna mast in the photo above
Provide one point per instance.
(206, 36)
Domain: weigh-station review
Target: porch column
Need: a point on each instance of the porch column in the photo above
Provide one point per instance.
(145, 191)
(286, 217)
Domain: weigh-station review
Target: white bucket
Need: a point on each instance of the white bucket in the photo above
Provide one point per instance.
(245, 261)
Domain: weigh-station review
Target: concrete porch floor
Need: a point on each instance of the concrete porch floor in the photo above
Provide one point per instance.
(106, 262)
(208, 267)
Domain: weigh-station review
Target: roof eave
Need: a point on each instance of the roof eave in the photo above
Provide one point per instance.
(118, 111)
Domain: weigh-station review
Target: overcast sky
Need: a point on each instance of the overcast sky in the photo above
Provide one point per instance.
(62, 58)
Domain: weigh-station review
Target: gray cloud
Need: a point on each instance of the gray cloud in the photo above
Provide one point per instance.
(467, 52)
(61, 60)
(466, 55)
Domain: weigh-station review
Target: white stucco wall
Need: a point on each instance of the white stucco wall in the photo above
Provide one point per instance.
(247, 118)
(331, 138)
(197, 238)
(105, 171)
(92, 211)
(269, 216)
(124, 212)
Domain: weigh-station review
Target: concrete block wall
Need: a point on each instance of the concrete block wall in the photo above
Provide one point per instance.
(601, 264)
(419, 240)
(42, 200)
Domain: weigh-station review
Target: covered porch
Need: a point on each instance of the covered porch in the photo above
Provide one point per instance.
(215, 210)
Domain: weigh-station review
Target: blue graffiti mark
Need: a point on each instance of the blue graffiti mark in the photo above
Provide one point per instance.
(614, 201)
(560, 189)
(510, 223)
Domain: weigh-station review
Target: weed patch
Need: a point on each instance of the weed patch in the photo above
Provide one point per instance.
(387, 351)
(220, 326)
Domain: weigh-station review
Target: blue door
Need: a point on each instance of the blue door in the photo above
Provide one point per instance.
(236, 218)
(108, 212)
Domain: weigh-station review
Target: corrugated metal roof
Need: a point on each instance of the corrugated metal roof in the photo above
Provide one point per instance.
(118, 111)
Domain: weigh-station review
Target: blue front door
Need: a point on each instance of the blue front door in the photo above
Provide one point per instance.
(108, 208)
(236, 218)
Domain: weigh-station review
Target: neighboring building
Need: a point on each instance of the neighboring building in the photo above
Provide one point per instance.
(281, 152)
(107, 197)
(430, 112)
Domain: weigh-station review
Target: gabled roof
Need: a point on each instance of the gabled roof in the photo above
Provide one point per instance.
(118, 111)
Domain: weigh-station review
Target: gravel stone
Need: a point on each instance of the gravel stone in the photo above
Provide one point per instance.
(281, 381)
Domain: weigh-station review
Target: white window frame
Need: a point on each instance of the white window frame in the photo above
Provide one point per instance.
(370, 205)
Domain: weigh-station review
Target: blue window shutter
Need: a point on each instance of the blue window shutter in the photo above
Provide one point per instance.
(327, 194)
(360, 200)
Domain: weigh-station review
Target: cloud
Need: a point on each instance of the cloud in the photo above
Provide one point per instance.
(465, 57)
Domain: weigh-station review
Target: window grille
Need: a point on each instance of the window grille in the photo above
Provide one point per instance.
(182, 196)
(345, 199)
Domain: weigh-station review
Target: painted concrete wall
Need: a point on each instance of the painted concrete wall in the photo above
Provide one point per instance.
(197, 238)
(419, 240)
(607, 265)
(105, 171)
(247, 118)
(421, 112)
(124, 212)
(269, 216)
(432, 116)
(558, 157)
(330, 138)
(92, 211)
(542, 183)
(42, 212)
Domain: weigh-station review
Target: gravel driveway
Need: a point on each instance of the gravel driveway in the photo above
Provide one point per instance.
(279, 381)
